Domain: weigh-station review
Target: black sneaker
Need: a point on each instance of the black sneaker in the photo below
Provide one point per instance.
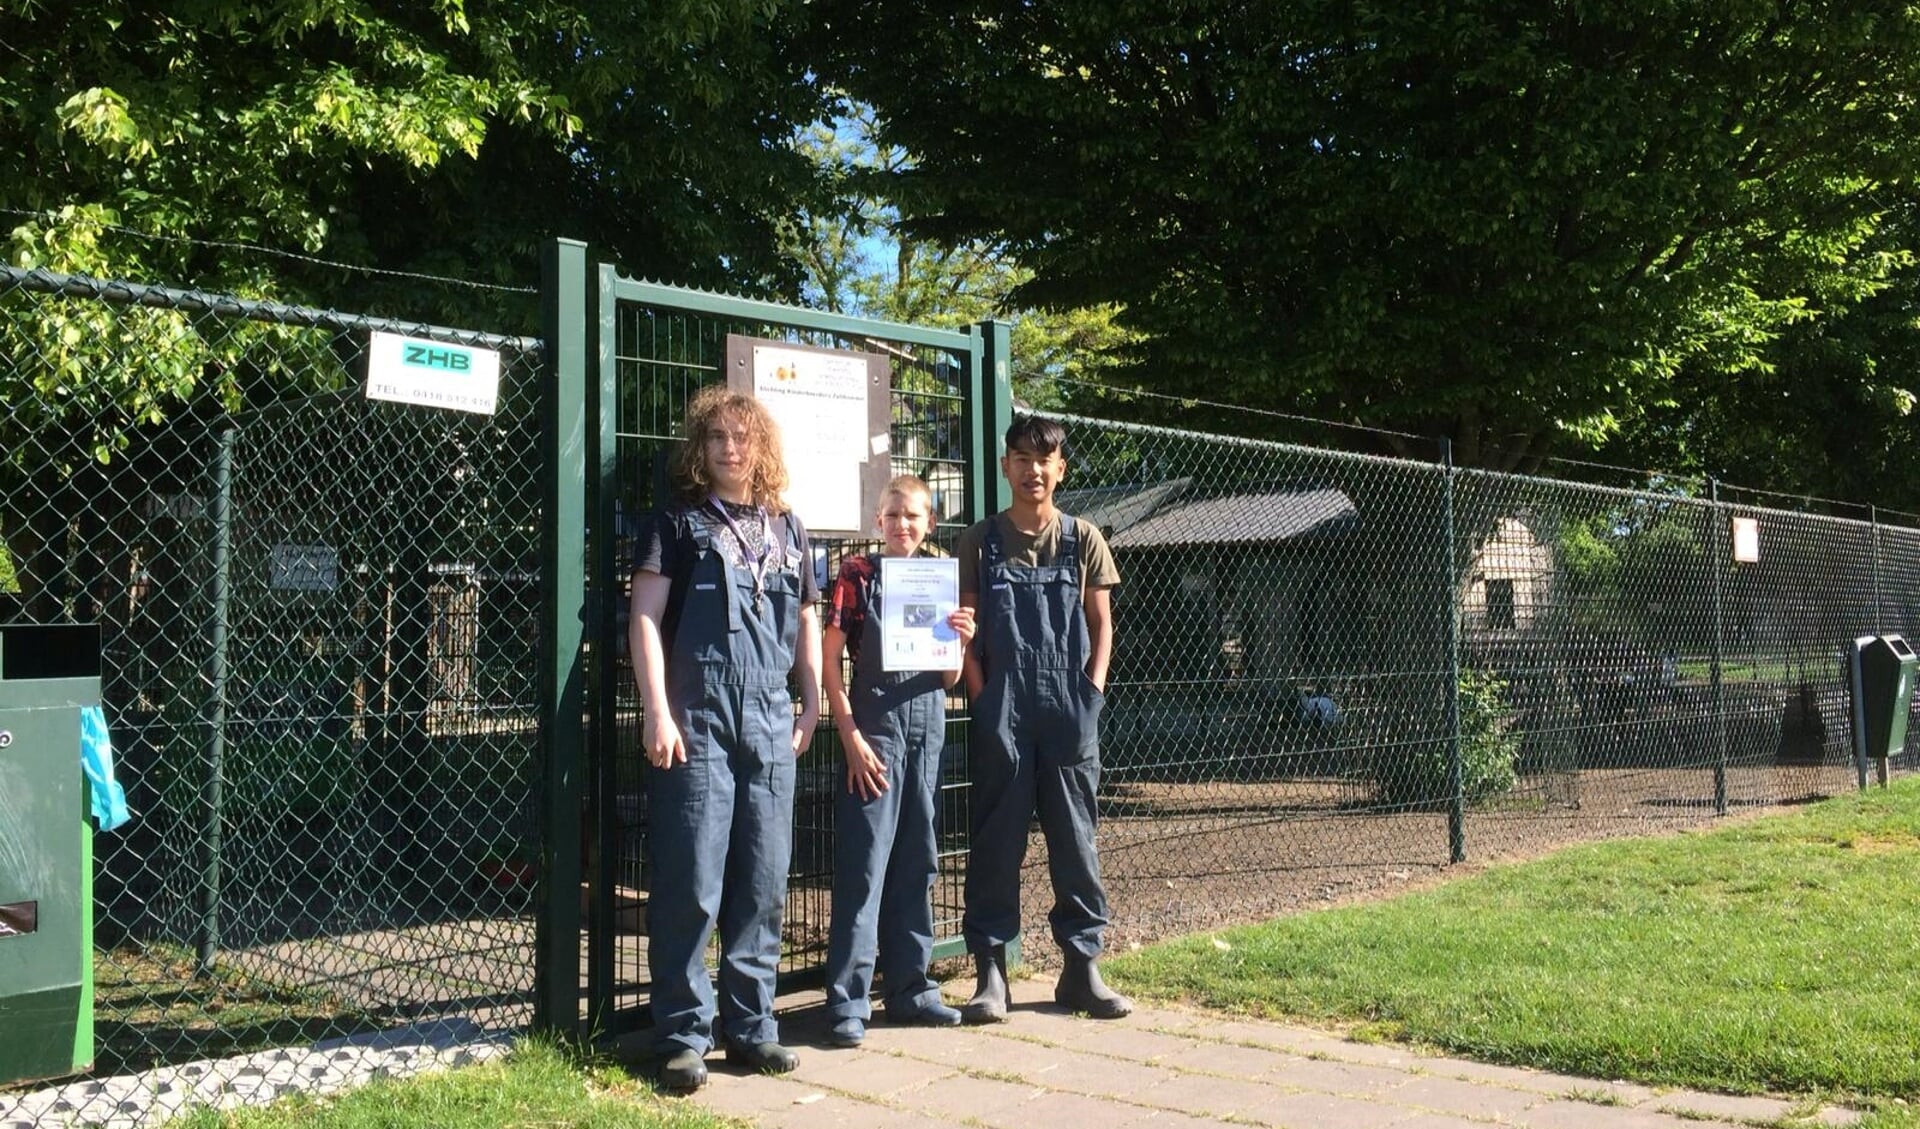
(767, 1058)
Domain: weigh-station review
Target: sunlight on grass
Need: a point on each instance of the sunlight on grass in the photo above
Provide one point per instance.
(1772, 955)
(538, 1085)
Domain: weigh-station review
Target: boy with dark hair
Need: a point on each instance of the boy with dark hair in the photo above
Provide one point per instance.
(1039, 581)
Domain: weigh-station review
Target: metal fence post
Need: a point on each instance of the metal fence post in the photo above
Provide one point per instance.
(603, 783)
(563, 458)
(1718, 562)
(1873, 518)
(208, 941)
(1456, 784)
(992, 407)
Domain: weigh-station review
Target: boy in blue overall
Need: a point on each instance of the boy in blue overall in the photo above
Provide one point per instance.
(723, 615)
(1039, 581)
(892, 725)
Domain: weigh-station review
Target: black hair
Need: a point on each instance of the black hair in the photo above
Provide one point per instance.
(1036, 434)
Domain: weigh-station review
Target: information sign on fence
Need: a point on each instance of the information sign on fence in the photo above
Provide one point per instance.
(408, 370)
(832, 408)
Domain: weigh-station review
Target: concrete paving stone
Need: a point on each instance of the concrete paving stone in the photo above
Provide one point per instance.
(964, 1097)
(1438, 1121)
(1726, 1107)
(1325, 1111)
(1329, 1076)
(873, 1074)
(753, 1095)
(1837, 1116)
(1117, 1040)
(1582, 1089)
(1229, 1059)
(935, 1044)
(1019, 1057)
(1456, 1095)
(1512, 1077)
(1215, 1097)
(828, 1112)
(1059, 1110)
(1083, 1072)
(1567, 1114)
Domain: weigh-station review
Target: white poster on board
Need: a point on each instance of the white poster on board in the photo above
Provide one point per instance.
(820, 402)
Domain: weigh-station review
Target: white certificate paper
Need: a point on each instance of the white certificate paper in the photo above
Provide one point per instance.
(916, 596)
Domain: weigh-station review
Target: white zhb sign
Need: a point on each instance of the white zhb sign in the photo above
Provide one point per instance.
(408, 370)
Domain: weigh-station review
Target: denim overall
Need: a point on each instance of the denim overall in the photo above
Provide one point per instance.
(1036, 741)
(884, 854)
(722, 824)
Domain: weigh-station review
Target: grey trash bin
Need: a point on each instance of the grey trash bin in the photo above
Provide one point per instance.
(1880, 682)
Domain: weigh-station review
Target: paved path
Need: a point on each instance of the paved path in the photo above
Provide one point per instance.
(1173, 1068)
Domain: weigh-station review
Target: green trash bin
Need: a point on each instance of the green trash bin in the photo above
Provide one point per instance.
(48, 673)
(1880, 681)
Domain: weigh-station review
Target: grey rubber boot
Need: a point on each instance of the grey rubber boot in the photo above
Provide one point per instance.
(1081, 989)
(989, 1002)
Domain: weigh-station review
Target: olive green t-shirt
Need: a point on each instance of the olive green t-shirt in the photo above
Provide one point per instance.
(1033, 550)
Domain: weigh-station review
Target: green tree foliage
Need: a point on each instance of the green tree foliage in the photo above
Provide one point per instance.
(1489, 750)
(171, 143)
(860, 259)
(1516, 223)
(1831, 415)
(444, 137)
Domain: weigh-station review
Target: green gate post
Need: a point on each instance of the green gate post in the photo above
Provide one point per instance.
(991, 410)
(603, 404)
(563, 455)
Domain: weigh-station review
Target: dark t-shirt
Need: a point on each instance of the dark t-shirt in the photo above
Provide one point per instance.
(666, 545)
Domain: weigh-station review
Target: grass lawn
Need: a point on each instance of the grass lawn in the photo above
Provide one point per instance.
(1780, 954)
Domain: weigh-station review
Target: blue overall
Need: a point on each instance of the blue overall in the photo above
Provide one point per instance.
(884, 854)
(722, 823)
(1036, 742)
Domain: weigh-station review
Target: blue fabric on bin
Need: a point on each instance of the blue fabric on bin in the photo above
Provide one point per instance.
(109, 800)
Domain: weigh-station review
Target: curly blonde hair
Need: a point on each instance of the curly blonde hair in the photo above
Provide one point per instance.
(710, 407)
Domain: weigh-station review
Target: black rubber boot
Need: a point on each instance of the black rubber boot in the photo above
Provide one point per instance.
(1081, 989)
(683, 1072)
(767, 1058)
(989, 1002)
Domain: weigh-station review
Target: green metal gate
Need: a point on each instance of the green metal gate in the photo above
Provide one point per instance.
(645, 349)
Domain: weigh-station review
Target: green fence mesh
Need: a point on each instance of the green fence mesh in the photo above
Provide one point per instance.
(1301, 634)
(319, 615)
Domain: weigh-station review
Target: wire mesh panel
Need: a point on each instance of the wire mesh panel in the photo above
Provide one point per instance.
(1276, 727)
(1589, 698)
(666, 349)
(318, 616)
(1798, 594)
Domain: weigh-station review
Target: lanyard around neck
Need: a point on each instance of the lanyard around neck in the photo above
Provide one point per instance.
(759, 560)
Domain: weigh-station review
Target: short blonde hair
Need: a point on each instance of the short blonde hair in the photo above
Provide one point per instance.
(907, 485)
(710, 406)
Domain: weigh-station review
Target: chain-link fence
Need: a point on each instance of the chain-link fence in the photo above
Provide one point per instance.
(318, 615)
(1304, 636)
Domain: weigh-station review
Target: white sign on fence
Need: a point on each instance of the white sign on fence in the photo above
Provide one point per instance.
(408, 370)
